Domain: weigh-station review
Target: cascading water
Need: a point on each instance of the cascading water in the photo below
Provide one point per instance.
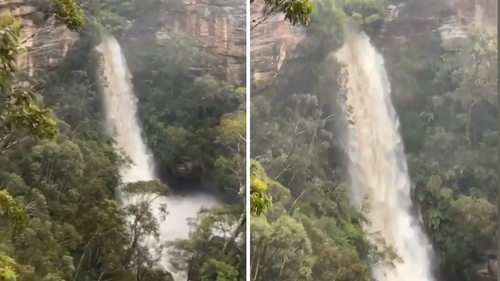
(377, 163)
(121, 120)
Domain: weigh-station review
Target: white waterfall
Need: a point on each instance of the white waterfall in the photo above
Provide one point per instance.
(121, 120)
(377, 163)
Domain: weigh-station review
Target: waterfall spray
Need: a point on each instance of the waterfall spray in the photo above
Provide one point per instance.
(377, 163)
(120, 106)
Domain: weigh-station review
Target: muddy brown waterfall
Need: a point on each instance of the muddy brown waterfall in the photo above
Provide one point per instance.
(120, 107)
(377, 163)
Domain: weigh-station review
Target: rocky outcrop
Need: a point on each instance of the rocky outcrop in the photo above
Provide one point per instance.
(475, 12)
(451, 18)
(488, 271)
(272, 38)
(219, 26)
(44, 43)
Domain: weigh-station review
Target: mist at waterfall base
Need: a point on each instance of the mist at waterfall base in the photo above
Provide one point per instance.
(120, 107)
(377, 163)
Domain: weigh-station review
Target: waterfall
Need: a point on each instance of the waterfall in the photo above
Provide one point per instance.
(120, 106)
(377, 164)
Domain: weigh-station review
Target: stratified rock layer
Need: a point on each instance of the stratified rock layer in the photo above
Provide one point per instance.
(45, 44)
(219, 27)
(271, 40)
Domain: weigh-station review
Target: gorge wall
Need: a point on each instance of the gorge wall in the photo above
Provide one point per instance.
(45, 44)
(217, 25)
(274, 38)
(478, 12)
(271, 39)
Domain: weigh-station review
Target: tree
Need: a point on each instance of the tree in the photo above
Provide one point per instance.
(14, 213)
(296, 12)
(211, 231)
(21, 116)
(259, 199)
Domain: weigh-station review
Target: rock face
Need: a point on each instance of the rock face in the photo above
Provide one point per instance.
(477, 12)
(451, 18)
(45, 44)
(219, 26)
(488, 271)
(271, 40)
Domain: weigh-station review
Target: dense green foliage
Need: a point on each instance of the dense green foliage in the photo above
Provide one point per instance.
(445, 96)
(59, 219)
(450, 133)
(296, 12)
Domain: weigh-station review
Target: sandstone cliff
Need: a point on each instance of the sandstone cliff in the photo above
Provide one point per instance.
(44, 43)
(271, 40)
(219, 26)
(476, 12)
(216, 25)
